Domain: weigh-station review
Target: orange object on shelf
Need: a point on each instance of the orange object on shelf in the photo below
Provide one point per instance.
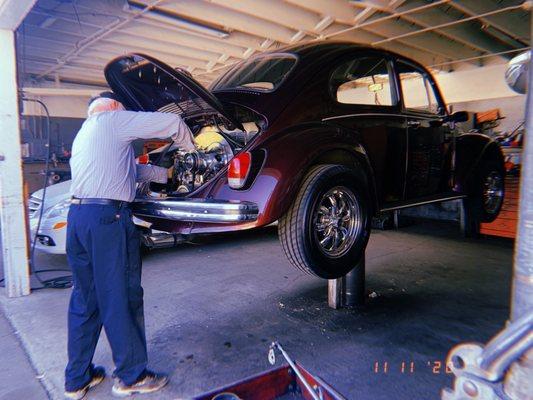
(487, 116)
(507, 222)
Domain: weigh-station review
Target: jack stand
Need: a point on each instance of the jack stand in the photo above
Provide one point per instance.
(469, 225)
(396, 219)
(348, 291)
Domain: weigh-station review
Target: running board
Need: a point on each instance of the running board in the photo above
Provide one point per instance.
(422, 202)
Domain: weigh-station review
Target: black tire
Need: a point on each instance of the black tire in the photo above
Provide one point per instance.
(300, 228)
(478, 207)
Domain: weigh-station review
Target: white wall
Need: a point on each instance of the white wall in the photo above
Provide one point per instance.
(483, 89)
(474, 84)
(58, 106)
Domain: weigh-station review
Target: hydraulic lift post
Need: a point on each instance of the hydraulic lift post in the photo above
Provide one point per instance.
(348, 291)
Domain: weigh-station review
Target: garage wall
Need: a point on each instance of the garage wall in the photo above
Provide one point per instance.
(483, 89)
(474, 84)
(512, 108)
(59, 106)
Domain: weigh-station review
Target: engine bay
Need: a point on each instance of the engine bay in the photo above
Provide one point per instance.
(215, 147)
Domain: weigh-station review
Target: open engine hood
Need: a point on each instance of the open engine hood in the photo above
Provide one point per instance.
(146, 84)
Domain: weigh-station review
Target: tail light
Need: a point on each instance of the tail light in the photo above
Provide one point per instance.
(143, 159)
(238, 170)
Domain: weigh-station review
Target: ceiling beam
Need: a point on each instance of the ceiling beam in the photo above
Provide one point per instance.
(12, 12)
(150, 44)
(430, 41)
(232, 20)
(514, 51)
(182, 37)
(467, 33)
(369, 11)
(393, 15)
(515, 31)
(99, 35)
(340, 10)
(365, 37)
(169, 58)
(276, 11)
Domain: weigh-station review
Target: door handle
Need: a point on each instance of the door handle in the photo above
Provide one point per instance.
(413, 123)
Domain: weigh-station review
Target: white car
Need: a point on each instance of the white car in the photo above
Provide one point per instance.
(52, 231)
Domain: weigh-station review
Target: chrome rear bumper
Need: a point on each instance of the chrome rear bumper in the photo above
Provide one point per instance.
(196, 210)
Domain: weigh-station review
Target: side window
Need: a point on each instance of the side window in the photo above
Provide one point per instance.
(362, 80)
(418, 94)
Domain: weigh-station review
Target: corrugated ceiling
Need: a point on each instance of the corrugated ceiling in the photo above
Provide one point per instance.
(72, 40)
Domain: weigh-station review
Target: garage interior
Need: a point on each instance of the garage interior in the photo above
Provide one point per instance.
(215, 305)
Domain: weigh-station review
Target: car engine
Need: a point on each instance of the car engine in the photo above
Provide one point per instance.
(192, 169)
(215, 147)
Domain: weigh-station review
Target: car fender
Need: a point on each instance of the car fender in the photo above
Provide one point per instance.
(290, 154)
(471, 150)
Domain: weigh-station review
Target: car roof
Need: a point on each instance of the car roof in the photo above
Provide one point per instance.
(314, 46)
(316, 49)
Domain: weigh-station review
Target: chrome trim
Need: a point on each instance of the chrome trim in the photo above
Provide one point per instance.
(493, 192)
(406, 116)
(337, 221)
(420, 203)
(364, 115)
(196, 210)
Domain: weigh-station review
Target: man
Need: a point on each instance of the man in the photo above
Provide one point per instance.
(103, 244)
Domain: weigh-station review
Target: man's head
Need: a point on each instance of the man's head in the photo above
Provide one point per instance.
(105, 101)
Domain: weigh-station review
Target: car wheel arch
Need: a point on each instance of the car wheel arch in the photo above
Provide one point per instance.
(356, 160)
(344, 150)
(476, 149)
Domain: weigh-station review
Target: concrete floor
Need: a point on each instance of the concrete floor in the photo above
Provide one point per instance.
(18, 379)
(212, 309)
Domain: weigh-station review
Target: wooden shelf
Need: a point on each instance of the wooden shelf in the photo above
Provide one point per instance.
(506, 223)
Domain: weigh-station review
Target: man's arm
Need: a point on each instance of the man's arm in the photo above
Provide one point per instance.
(133, 125)
(151, 173)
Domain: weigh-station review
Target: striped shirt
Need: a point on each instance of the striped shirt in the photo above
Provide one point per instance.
(103, 161)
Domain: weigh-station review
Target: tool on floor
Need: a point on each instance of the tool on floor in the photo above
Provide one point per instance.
(272, 359)
(287, 381)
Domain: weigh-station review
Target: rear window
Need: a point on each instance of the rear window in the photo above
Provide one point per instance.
(264, 73)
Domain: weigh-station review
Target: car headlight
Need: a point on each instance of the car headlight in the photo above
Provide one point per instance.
(59, 210)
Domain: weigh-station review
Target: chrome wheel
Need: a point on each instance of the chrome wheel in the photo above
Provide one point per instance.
(337, 221)
(492, 192)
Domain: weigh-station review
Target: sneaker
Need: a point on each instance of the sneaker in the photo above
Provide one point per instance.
(150, 382)
(98, 376)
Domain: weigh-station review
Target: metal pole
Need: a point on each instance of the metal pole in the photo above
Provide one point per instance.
(518, 384)
(355, 285)
(348, 291)
(522, 296)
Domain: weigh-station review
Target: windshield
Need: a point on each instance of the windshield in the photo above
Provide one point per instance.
(263, 73)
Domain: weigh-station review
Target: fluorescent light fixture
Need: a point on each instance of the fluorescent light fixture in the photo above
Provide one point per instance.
(324, 23)
(48, 22)
(298, 36)
(170, 18)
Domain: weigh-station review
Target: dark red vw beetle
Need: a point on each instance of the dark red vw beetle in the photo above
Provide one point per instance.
(319, 137)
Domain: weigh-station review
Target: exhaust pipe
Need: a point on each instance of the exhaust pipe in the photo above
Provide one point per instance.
(160, 240)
